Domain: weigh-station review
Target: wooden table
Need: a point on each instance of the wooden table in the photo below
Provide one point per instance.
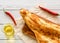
(14, 5)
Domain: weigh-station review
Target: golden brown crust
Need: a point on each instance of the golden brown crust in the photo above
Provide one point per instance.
(28, 32)
(42, 28)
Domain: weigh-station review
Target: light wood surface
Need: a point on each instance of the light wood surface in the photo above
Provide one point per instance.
(14, 5)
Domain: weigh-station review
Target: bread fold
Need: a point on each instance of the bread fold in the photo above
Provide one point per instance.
(43, 30)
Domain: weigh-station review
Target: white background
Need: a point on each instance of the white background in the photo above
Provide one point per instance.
(14, 5)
